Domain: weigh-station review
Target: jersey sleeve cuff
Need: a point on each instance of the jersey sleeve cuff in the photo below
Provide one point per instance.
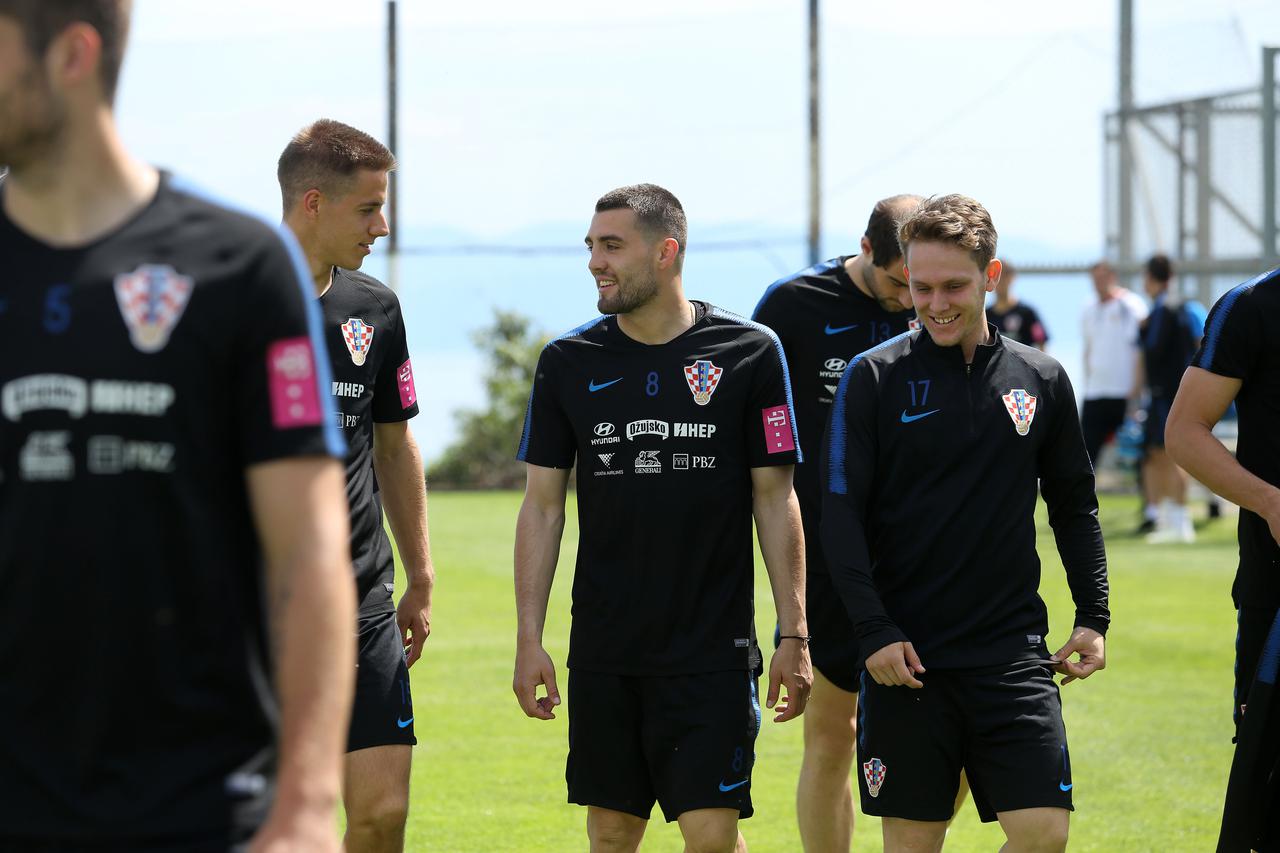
(880, 637)
(1093, 623)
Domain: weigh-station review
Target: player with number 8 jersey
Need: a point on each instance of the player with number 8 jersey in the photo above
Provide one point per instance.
(664, 439)
(679, 419)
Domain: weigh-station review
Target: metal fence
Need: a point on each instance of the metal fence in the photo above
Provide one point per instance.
(1197, 182)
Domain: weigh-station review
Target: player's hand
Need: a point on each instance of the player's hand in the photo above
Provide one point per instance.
(297, 830)
(534, 668)
(1270, 512)
(413, 616)
(1089, 644)
(896, 665)
(789, 668)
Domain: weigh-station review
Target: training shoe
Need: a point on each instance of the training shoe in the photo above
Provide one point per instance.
(1147, 526)
(1170, 535)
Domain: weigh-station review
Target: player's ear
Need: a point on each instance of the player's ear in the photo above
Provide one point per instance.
(864, 245)
(311, 202)
(668, 251)
(73, 56)
(994, 268)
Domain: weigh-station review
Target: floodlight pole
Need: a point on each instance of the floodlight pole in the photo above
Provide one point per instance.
(1269, 251)
(815, 141)
(393, 195)
(1124, 200)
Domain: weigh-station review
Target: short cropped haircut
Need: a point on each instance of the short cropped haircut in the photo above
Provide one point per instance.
(325, 155)
(882, 227)
(658, 212)
(41, 21)
(955, 219)
(1160, 268)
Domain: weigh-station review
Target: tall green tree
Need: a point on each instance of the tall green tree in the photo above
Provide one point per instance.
(483, 456)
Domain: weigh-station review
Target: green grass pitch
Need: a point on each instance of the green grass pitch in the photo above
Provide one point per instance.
(1150, 736)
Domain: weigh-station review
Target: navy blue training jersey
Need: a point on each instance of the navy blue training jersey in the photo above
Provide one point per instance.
(1240, 343)
(823, 321)
(142, 374)
(664, 438)
(372, 383)
(928, 518)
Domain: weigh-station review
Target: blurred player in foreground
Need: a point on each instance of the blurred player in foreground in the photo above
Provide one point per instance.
(166, 465)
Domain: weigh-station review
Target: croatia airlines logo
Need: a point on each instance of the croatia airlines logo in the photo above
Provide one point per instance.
(152, 299)
(703, 378)
(358, 336)
(1022, 408)
(874, 772)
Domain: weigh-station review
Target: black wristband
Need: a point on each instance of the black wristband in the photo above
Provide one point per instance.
(802, 638)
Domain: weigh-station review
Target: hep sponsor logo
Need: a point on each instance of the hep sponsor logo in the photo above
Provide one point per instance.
(680, 430)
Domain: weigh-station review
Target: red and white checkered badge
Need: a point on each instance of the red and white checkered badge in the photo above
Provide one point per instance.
(358, 336)
(1022, 408)
(152, 299)
(703, 378)
(874, 771)
(778, 434)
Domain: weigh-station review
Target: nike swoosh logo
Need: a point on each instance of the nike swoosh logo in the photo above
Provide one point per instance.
(724, 787)
(593, 387)
(1064, 787)
(404, 724)
(838, 329)
(906, 419)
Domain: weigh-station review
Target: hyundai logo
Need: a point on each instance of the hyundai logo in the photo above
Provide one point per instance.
(836, 364)
(604, 429)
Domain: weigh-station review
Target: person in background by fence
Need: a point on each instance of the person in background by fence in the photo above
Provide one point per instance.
(1169, 337)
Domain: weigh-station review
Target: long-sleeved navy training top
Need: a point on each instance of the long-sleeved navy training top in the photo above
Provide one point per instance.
(930, 483)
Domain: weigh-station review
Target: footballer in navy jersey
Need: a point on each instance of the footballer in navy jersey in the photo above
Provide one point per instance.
(333, 182)
(824, 316)
(1238, 361)
(937, 442)
(678, 418)
(173, 593)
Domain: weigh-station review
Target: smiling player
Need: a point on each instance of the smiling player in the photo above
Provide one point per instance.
(679, 419)
(936, 443)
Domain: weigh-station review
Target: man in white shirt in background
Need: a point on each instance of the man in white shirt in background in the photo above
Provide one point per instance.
(1112, 380)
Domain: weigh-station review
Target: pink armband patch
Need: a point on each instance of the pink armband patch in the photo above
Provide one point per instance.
(778, 437)
(291, 382)
(405, 378)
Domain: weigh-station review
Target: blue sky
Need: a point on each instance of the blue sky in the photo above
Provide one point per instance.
(516, 116)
